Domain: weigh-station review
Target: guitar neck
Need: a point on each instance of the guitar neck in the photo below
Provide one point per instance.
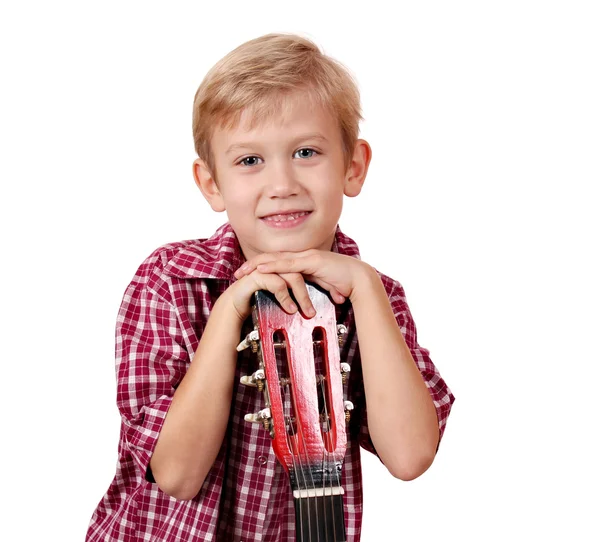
(318, 502)
(320, 518)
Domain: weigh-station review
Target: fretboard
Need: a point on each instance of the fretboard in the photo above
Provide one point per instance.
(319, 504)
(320, 517)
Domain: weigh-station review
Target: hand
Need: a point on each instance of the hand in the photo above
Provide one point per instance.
(240, 292)
(336, 273)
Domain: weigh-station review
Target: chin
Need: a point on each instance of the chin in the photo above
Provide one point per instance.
(291, 242)
(287, 245)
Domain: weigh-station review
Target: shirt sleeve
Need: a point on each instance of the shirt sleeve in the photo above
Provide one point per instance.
(440, 393)
(151, 359)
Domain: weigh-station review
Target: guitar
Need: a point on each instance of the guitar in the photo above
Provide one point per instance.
(301, 377)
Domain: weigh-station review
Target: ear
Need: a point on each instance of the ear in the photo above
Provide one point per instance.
(357, 170)
(208, 185)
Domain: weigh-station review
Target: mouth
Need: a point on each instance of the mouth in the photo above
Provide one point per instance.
(287, 219)
(282, 217)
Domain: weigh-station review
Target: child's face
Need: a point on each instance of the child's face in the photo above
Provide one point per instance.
(282, 183)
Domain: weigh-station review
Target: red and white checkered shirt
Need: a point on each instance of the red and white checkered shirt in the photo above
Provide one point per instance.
(246, 495)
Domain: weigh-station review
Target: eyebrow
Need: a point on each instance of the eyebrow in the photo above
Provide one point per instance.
(251, 145)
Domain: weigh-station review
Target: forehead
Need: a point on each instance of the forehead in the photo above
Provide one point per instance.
(279, 120)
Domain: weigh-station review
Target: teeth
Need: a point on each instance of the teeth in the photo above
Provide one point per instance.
(283, 218)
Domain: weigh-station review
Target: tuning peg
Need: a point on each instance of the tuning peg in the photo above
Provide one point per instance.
(341, 331)
(262, 416)
(348, 406)
(250, 340)
(344, 369)
(256, 380)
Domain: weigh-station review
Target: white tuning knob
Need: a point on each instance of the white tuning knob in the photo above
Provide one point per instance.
(262, 416)
(344, 369)
(256, 380)
(250, 340)
(348, 407)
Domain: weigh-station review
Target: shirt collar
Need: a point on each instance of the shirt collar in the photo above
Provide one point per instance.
(219, 256)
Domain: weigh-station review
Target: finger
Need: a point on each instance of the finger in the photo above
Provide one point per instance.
(278, 287)
(287, 265)
(296, 283)
(245, 269)
(335, 294)
(249, 266)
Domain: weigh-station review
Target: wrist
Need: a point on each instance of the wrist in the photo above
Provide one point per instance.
(228, 311)
(367, 281)
(236, 301)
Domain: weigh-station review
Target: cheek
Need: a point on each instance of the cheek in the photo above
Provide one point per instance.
(237, 193)
(241, 204)
(334, 195)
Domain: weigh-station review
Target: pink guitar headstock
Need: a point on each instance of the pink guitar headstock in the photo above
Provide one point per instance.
(301, 377)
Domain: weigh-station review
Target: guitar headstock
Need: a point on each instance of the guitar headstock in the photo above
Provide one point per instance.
(301, 378)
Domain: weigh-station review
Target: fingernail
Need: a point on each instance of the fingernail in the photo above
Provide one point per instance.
(311, 312)
(292, 307)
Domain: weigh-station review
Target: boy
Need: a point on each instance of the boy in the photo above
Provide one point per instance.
(276, 131)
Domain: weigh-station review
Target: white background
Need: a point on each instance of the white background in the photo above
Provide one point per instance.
(484, 120)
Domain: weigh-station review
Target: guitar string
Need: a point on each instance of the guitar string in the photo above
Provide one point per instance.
(323, 469)
(323, 461)
(322, 351)
(301, 432)
(314, 487)
(328, 453)
(290, 445)
(286, 404)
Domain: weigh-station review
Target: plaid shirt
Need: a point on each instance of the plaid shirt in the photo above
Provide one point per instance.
(246, 495)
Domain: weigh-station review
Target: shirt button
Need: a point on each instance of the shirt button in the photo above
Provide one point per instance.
(262, 460)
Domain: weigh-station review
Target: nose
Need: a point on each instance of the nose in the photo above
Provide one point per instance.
(282, 181)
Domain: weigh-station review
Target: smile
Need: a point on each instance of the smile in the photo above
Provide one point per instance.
(286, 220)
(281, 218)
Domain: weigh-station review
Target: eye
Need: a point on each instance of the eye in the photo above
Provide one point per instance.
(306, 153)
(249, 161)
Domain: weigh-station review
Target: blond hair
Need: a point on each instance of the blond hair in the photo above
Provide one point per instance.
(259, 74)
